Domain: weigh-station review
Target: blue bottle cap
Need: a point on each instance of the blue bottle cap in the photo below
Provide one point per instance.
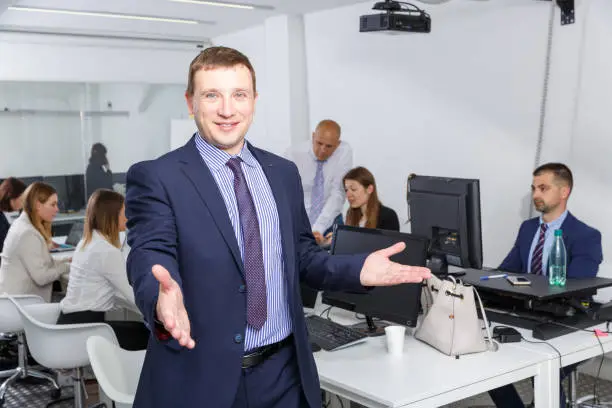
(558, 233)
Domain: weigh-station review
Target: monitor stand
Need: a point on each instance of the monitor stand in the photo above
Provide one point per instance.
(370, 328)
(438, 265)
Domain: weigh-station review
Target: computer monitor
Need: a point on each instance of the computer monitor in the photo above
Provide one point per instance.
(309, 295)
(399, 304)
(29, 180)
(70, 191)
(75, 188)
(447, 211)
(119, 178)
(59, 184)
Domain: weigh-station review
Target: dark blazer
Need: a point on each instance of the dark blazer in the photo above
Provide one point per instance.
(4, 227)
(96, 177)
(177, 218)
(387, 219)
(583, 245)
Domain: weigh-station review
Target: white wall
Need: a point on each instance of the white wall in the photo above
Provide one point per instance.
(591, 136)
(27, 57)
(462, 101)
(40, 144)
(144, 135)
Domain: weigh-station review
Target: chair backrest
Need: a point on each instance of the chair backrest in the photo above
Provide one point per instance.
(117, 370)
(58, 346)
(10, 321)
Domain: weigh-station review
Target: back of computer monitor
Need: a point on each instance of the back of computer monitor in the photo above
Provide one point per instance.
(399, 304)
(447, 210)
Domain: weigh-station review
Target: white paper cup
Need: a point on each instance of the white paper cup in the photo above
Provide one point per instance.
(395, 339)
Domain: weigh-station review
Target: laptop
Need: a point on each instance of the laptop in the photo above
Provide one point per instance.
(73, 238)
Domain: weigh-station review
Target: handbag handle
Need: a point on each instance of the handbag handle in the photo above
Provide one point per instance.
(491, 344)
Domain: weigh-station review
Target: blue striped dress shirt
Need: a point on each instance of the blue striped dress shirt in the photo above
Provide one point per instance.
(278, 325)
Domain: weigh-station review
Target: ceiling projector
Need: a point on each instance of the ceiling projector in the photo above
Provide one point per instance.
(398, 17)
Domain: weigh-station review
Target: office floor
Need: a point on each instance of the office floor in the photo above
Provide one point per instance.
(37, 395)
(26, 394)
(525, 389)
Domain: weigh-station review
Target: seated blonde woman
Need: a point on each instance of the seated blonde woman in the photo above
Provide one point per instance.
(27, 266)
(98, 278)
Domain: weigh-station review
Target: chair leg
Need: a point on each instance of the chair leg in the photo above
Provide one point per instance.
(44, 376)
(572, 385)
(8, 382)
(79, 398)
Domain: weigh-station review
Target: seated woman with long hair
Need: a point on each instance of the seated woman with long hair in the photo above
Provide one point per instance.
(366, 210)
(98, 278)
(27, 267)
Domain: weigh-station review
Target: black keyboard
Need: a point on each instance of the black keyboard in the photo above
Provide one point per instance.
(330, 335)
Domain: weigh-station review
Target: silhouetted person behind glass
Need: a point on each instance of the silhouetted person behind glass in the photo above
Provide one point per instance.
(98, 173)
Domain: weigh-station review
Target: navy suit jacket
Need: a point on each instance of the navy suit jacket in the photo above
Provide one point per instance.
(582, 243)
(178, 219)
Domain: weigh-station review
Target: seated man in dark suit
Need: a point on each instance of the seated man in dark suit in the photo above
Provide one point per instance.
(551, 188)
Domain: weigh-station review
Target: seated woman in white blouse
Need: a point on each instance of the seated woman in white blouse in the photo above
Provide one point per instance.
(98, 278)
(27, 267)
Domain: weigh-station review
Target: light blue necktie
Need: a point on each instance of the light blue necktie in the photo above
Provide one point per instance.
(317, 201)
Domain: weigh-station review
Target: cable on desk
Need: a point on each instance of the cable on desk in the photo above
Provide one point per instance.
(596, 382)
(340, 401)
(327, 310)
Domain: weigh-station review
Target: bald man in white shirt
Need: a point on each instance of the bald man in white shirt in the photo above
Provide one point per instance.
(322, 164)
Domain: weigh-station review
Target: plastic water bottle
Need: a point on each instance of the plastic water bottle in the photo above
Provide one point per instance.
(557, 261)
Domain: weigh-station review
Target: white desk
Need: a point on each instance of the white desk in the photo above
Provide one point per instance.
(63, 218)
(424, 377)
(574, 347)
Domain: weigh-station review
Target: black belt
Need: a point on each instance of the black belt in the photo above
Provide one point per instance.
(261, 354)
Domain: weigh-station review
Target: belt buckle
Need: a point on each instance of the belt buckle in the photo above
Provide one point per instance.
(251, 360)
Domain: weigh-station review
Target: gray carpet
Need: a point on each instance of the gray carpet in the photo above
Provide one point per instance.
(525, 389)
(24, 394)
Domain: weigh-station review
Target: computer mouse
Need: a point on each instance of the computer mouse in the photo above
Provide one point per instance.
(314, 347)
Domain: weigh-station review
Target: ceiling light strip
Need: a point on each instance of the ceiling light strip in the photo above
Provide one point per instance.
(107, 15)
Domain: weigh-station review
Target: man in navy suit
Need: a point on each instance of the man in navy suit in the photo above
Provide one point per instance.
(220, 241)
(551, 188)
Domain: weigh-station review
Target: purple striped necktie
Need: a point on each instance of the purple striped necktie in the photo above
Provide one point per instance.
(536, 258)
(254, 271)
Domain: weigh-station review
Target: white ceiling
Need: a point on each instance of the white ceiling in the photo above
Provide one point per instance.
(213, 20)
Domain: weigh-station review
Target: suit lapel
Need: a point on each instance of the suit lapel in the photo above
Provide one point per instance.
(279, 191)
(200, 176)
(527, 240)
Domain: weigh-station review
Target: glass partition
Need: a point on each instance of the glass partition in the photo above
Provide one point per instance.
(82, 136)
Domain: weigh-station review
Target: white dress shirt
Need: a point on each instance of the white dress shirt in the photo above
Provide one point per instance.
(334, 169)
(11, 216)
(98, 278)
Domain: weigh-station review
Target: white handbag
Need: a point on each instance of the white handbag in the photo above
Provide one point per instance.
(450, 319)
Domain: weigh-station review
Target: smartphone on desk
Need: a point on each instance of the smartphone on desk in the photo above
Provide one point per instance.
(518, 280)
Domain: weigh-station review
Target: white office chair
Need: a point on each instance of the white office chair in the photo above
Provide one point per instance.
(10, 322)
(60, 347)
(117, 370)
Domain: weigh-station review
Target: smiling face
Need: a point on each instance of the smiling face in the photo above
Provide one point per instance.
(223, 105)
